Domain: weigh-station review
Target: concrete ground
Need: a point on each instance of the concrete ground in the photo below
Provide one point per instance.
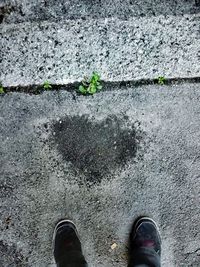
(100, 161)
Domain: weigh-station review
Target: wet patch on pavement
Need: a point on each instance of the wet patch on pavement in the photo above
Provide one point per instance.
(95, 148)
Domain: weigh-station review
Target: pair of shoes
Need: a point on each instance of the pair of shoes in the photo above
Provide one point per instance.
(144, 234)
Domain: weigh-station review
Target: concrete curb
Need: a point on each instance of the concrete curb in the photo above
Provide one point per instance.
(138, 48)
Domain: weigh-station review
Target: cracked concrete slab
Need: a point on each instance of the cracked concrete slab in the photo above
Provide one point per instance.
(148, 161)
(64, 52)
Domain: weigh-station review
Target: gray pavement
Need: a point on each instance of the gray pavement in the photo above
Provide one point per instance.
(100, 161)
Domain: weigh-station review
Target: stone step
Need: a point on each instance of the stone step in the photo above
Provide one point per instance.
(65, 51)
(39, 10)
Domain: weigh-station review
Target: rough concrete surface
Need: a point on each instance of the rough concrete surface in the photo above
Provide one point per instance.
(63, 155)
(15, 11)
(63, 52)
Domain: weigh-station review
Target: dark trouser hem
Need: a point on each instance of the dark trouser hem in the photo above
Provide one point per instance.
(144, 257)
(72, 259)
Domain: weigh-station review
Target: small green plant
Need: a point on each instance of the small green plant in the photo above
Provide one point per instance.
(47, 85)
(91, 86)
(1, 89)
(161, 80)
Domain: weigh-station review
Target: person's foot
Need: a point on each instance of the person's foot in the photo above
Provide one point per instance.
(145, 234)
(66, 244)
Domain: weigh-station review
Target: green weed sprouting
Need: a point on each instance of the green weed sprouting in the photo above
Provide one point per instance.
(47, 85)
(91, 86)
(1, 89)
(161, 80)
